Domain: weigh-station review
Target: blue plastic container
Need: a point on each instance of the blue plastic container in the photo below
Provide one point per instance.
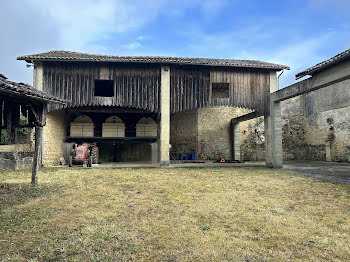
(193, 156)
(189, 156)
(181, 156)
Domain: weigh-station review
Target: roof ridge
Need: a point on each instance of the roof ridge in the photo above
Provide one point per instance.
(135, 56)
(3, 76)
(77, 56)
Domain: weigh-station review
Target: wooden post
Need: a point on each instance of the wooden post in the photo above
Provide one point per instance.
(36, 159)
(1, 117)
(40, 117)
(15, 122)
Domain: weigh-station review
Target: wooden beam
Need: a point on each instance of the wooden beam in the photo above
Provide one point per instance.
(36, 115)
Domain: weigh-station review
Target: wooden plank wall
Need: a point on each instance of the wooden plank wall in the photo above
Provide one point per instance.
(136, 86)
(190, 88)
(248, 88)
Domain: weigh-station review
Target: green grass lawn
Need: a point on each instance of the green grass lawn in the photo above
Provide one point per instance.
(222, 214)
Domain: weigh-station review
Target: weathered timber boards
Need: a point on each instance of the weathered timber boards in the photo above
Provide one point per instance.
(189, 88)
(248, 88)
(139, 86)
(134, 86)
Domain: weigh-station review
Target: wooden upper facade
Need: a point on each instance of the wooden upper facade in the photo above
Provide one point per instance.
(135, 82)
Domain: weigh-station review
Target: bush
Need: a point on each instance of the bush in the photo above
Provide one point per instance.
(22, 133)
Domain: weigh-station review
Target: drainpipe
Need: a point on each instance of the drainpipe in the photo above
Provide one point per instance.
(278, 80)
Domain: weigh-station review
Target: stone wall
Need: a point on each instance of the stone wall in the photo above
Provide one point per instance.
(205, 131)
(16, 160)
(214, 131)
(311, 122)
(253, 139)
(184, 132)
(328, 113)
(54, 137)
(17, 148)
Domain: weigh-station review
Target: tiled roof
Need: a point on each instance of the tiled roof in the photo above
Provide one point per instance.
(325, 64)
(25, 91)
(74, 56)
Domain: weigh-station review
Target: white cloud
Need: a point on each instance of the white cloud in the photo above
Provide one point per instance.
(212, 8)
(85, 22)
(299, 56)
(132, 46)
(117, 27)
(255, 43)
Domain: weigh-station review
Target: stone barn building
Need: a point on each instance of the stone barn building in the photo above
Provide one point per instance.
(136, 107)
(316, 124)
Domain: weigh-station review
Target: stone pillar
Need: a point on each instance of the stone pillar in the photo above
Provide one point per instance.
(328, 152)
(38, 76)
(236, 133)
(165, 116)
(154, 152)
(273, 129)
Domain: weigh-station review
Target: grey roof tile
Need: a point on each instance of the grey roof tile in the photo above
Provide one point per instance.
(59, 55)
(25, 90)
(325, 64)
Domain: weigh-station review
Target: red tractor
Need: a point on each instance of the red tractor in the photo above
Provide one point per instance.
(84, 153)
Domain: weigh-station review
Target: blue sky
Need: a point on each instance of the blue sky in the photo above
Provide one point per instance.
(295, 33)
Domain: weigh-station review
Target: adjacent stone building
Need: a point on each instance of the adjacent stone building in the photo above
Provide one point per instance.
(316, 125)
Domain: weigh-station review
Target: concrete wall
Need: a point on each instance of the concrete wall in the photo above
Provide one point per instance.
(54, 137)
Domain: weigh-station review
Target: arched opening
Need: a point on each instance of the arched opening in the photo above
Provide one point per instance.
(146, 127)
(82, 126)
(113, 127)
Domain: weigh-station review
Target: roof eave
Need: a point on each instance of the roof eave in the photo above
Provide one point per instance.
(31, 60)
(314, 69)
(32, 97)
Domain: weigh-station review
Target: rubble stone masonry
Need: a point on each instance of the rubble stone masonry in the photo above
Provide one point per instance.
(54, 137)
(310, 123)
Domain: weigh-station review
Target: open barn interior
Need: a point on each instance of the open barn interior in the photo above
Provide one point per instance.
(121, 135)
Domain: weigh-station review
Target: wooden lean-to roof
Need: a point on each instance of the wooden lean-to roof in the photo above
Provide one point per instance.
(25, 91)
(335, 60)
(59, 55)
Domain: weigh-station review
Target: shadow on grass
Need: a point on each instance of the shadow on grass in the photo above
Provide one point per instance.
(12, 194)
